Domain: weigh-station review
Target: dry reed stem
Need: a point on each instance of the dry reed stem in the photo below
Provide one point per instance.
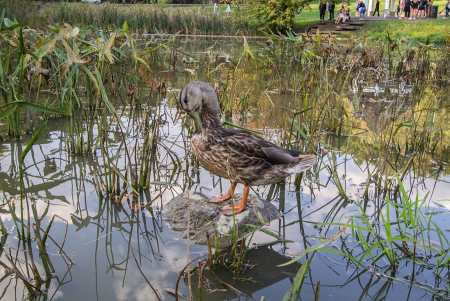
(155, 291)
(187, 244)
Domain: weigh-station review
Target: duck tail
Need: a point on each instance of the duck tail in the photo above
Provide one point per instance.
(302, 163)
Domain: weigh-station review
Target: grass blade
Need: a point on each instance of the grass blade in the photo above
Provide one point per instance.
(318, 246)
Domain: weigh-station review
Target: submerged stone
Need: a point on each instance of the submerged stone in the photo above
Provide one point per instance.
(207, 217)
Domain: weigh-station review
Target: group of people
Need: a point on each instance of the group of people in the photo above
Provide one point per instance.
(361, 9)
(228, 10)
(344, 12)
(414, 9)
(330, 6)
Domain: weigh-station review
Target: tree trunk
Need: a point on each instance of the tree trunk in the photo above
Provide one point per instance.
(203, 4)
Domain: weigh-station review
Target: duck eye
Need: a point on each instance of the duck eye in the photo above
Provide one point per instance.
(185, 100)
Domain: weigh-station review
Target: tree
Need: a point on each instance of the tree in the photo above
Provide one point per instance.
(275, 14)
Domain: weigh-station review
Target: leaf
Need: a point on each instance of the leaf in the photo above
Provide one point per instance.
(65, 67)
(10, 25)
(124, 179)
(298, 281)
(9, 109)
(297, 128)
(136, 56)
(106, 50)
(105, 98)
(52, 28)
(2, 17)
(74, 57)
(246, 48)
(241, 128)
(32, 141)
(67, 33)
(268, 232)
(162, 183)
(269, 35)
(154, 49)
(30, 106)
(297, 112)
(92, 77)
(356, 102)
(318, 246)
(46, 49)
(190, 71)
(21, 43)
(124, 29)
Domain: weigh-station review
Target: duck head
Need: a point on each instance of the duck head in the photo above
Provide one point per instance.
(198, 99)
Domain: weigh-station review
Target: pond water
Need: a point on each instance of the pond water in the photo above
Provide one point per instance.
(102, 232)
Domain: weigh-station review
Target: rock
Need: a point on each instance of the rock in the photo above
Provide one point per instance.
(207, 217)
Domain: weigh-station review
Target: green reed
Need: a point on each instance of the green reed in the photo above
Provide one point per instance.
(143, 19)
(405, 231)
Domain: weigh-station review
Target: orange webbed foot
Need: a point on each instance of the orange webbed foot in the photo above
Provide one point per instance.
(220, 199)
(238, 207)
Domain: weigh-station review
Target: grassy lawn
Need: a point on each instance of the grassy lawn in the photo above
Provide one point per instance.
(431, 30)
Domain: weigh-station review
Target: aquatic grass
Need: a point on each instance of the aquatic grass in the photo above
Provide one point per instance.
(331, 115)
(413, 229)
(146, 19)
(296, 288)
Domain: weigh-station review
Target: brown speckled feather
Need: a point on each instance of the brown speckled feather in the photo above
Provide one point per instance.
(238, 155)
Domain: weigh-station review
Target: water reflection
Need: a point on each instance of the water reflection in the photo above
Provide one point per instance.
(102, 231)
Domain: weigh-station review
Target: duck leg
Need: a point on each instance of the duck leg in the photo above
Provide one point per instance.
(238, 207)
(220, 199)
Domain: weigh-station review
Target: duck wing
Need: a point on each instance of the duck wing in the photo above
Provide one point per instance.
(254, 147)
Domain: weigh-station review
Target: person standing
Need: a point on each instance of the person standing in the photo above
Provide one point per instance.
(328, 9)
(216, 9)
(447, 9)
(422, 7)
(362, 10)
(402, 5)
(332, 11)
(357, 9)
(407, 9)
(228, 7)
(322, 10)
(377, 8)
(429, 5)
(414, 7)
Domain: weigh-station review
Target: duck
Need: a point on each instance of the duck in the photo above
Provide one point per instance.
(241, 156)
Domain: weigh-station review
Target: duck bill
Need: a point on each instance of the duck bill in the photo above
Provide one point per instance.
(198, 123)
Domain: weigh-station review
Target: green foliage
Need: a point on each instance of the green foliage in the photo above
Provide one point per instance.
(275, 14)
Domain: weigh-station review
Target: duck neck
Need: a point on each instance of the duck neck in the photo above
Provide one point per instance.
(210, 120)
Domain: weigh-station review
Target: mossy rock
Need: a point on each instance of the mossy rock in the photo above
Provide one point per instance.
(207, 217)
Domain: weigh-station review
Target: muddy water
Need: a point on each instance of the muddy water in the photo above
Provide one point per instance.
(102, 232)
